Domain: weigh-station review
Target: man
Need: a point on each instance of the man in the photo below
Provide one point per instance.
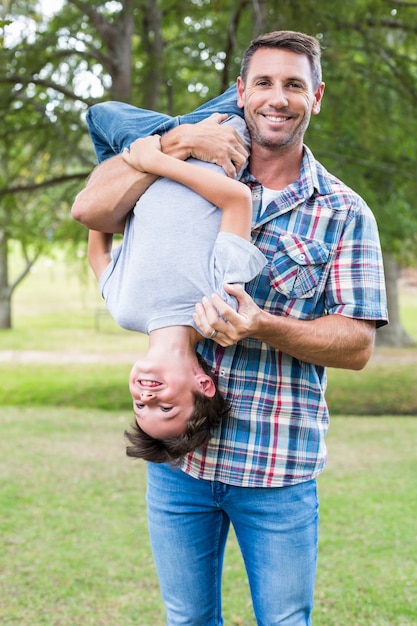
(316, 304)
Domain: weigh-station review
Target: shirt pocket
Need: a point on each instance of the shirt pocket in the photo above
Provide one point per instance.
(297, 266)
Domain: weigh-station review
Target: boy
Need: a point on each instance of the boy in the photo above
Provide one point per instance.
(177, 247)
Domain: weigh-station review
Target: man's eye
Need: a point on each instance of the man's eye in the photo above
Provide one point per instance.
(166, 409)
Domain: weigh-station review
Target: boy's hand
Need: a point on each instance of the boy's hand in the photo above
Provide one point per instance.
(143, 153)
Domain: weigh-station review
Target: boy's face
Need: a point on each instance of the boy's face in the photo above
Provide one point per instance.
(162, 395)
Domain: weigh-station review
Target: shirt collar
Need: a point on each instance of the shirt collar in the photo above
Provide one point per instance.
(313, 180)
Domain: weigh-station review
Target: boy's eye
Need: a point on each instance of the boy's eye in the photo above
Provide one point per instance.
(164, 409)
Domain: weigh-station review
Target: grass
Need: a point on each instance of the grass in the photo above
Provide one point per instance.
(378, 390)
(75, 547)
(59, 310)
(368, 534)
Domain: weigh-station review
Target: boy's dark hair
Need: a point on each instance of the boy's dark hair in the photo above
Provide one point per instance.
(287, 40)
(206, 416)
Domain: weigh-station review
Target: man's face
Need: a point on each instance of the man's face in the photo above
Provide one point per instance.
(278, 98)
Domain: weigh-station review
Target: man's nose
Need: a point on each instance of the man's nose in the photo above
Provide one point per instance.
(278, 96)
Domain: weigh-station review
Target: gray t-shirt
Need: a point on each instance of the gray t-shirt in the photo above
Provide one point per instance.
(172, 255)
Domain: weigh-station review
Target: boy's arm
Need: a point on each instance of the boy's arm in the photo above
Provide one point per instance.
(231, 196)
(99, 251)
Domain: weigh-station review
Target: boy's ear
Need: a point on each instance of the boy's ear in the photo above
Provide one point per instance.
(206, 385)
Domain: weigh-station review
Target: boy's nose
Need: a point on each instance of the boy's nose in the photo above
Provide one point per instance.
(146, 395)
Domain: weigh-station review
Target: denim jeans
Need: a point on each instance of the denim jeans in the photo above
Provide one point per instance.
(114, 125)
(277, 531)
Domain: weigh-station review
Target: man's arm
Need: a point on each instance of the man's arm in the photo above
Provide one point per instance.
(330, 341)
(111, 192)
(114, 186)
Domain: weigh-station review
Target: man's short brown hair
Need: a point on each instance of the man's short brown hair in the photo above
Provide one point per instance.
(287, 40)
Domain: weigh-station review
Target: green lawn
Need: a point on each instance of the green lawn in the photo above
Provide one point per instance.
(75, 547)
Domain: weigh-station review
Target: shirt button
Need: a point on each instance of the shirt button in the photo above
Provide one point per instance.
(302, 257)
(222, 372)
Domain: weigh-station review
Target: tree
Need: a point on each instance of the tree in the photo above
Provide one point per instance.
(49, 71)
(374, 125)
(173, 56)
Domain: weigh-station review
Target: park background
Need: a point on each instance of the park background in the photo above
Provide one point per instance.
(73, 521)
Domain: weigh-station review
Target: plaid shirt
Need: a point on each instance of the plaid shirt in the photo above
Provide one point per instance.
(324, 258)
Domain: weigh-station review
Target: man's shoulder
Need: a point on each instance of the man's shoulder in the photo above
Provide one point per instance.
(332, 189)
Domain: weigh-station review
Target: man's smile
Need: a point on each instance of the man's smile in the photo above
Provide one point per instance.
(276, 119)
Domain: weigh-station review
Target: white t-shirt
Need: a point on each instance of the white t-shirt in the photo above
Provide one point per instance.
(267, 196)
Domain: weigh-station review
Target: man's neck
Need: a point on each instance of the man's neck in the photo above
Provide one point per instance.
(276, 170)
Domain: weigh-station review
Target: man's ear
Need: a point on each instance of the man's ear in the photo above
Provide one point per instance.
(318, 97)
(240, 92)
(206, 385)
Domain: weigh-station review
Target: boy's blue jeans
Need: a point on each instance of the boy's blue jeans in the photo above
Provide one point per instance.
(189, 519)
(114, 125)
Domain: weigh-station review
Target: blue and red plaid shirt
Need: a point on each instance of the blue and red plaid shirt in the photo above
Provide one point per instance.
(324, 258)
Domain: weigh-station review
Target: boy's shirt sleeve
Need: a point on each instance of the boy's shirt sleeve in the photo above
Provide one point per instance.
(235, 260)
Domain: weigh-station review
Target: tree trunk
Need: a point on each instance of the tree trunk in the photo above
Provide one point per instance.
(394, 334)
(5, 291)
(153, 43)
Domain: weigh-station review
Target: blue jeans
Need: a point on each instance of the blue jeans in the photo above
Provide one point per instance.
(277, 531)
(114, 125)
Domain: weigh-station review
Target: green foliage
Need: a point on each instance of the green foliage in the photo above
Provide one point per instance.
(173, 56)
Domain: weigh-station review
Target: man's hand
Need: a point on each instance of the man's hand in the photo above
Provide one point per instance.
(232, 326)
(208, 141)
(329, 341)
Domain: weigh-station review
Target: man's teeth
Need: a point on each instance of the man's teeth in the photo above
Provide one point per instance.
(274, 118)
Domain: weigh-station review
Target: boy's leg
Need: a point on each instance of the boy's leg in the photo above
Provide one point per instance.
(188, 535)
(114, 125)
(225, 103)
